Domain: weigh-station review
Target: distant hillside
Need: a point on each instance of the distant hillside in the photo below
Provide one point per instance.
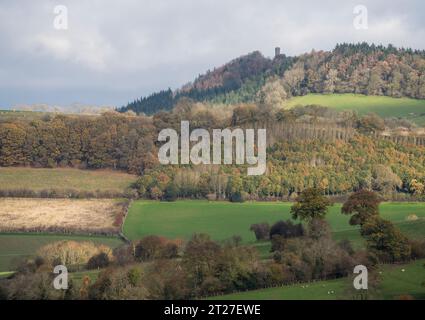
(246, 73)
(386, 107)
(349, 68)
(70, 109)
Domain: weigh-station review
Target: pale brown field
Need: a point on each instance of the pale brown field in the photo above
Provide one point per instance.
(59, 215)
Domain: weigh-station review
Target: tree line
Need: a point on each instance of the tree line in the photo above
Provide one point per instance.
(294, 162)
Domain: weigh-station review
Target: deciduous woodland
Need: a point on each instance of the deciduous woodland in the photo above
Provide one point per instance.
(308, 146)
(195, 249)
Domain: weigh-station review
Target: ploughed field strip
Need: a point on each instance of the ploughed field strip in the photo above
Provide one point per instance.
(59, 215)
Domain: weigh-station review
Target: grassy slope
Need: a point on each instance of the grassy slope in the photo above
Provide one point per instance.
(14, 247)
(412, 109)
(77, 277)
(394, 283)
(64, 178)
(8, 115)
(223, 219)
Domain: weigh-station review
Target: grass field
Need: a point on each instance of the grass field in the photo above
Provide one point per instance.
(222, 220)
(8, 115)
(66, 215)
(77, 277)
(14, 247)
(64, 178)
(5, 274)
(394, 283)
(411, 109)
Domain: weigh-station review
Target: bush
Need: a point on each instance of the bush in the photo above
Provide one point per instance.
(346, 245)
(261, 230)
(417, 249)
(156, 193)
(278, 243)
(71, 253)
(287, 229)
(131, 194)
(307, 259)
(236, 197)
(155, 247)
(318, 228)
(98, 261)
(170, 193)
(123, 255)
(122, 283)
(170, 251)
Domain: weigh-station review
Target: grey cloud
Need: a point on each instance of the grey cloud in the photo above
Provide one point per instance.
(115, 51)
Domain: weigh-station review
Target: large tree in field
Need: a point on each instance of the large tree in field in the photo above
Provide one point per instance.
(361, 205)
(385, 240)
(310, 205)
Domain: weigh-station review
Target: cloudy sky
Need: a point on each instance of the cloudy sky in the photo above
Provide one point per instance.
(114, 51)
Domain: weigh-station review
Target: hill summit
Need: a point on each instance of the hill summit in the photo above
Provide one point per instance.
(348, 68)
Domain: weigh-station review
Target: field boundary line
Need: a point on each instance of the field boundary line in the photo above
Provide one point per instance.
(121, 233)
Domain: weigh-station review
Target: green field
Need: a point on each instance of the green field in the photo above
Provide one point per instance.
(14, 247)
(64, 178)
(77, 277)
(5, 274)
(412, 109)
(222, 220)
(9, 115)
(394, 283)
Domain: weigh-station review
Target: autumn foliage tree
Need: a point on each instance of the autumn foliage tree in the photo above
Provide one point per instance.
(362, 205)
(310, 204)
(385, 240)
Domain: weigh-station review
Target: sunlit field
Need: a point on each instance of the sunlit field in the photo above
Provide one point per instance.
(222, 220)
(412, 109)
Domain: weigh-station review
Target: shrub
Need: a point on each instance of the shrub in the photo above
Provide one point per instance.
(346, 245)
(318, 228)
(170, 193)
(155, 247)
(170, 251)
(156, 193)
(278, 243)
(124, 255)
(308, 259)
(287, 229)
(131, 194)
(118, 284)
(417, 249)
(236, 197)
(261, 230)
(98, 261)
(71, 253)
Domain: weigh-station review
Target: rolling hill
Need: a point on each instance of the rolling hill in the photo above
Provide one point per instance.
(348, 69)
